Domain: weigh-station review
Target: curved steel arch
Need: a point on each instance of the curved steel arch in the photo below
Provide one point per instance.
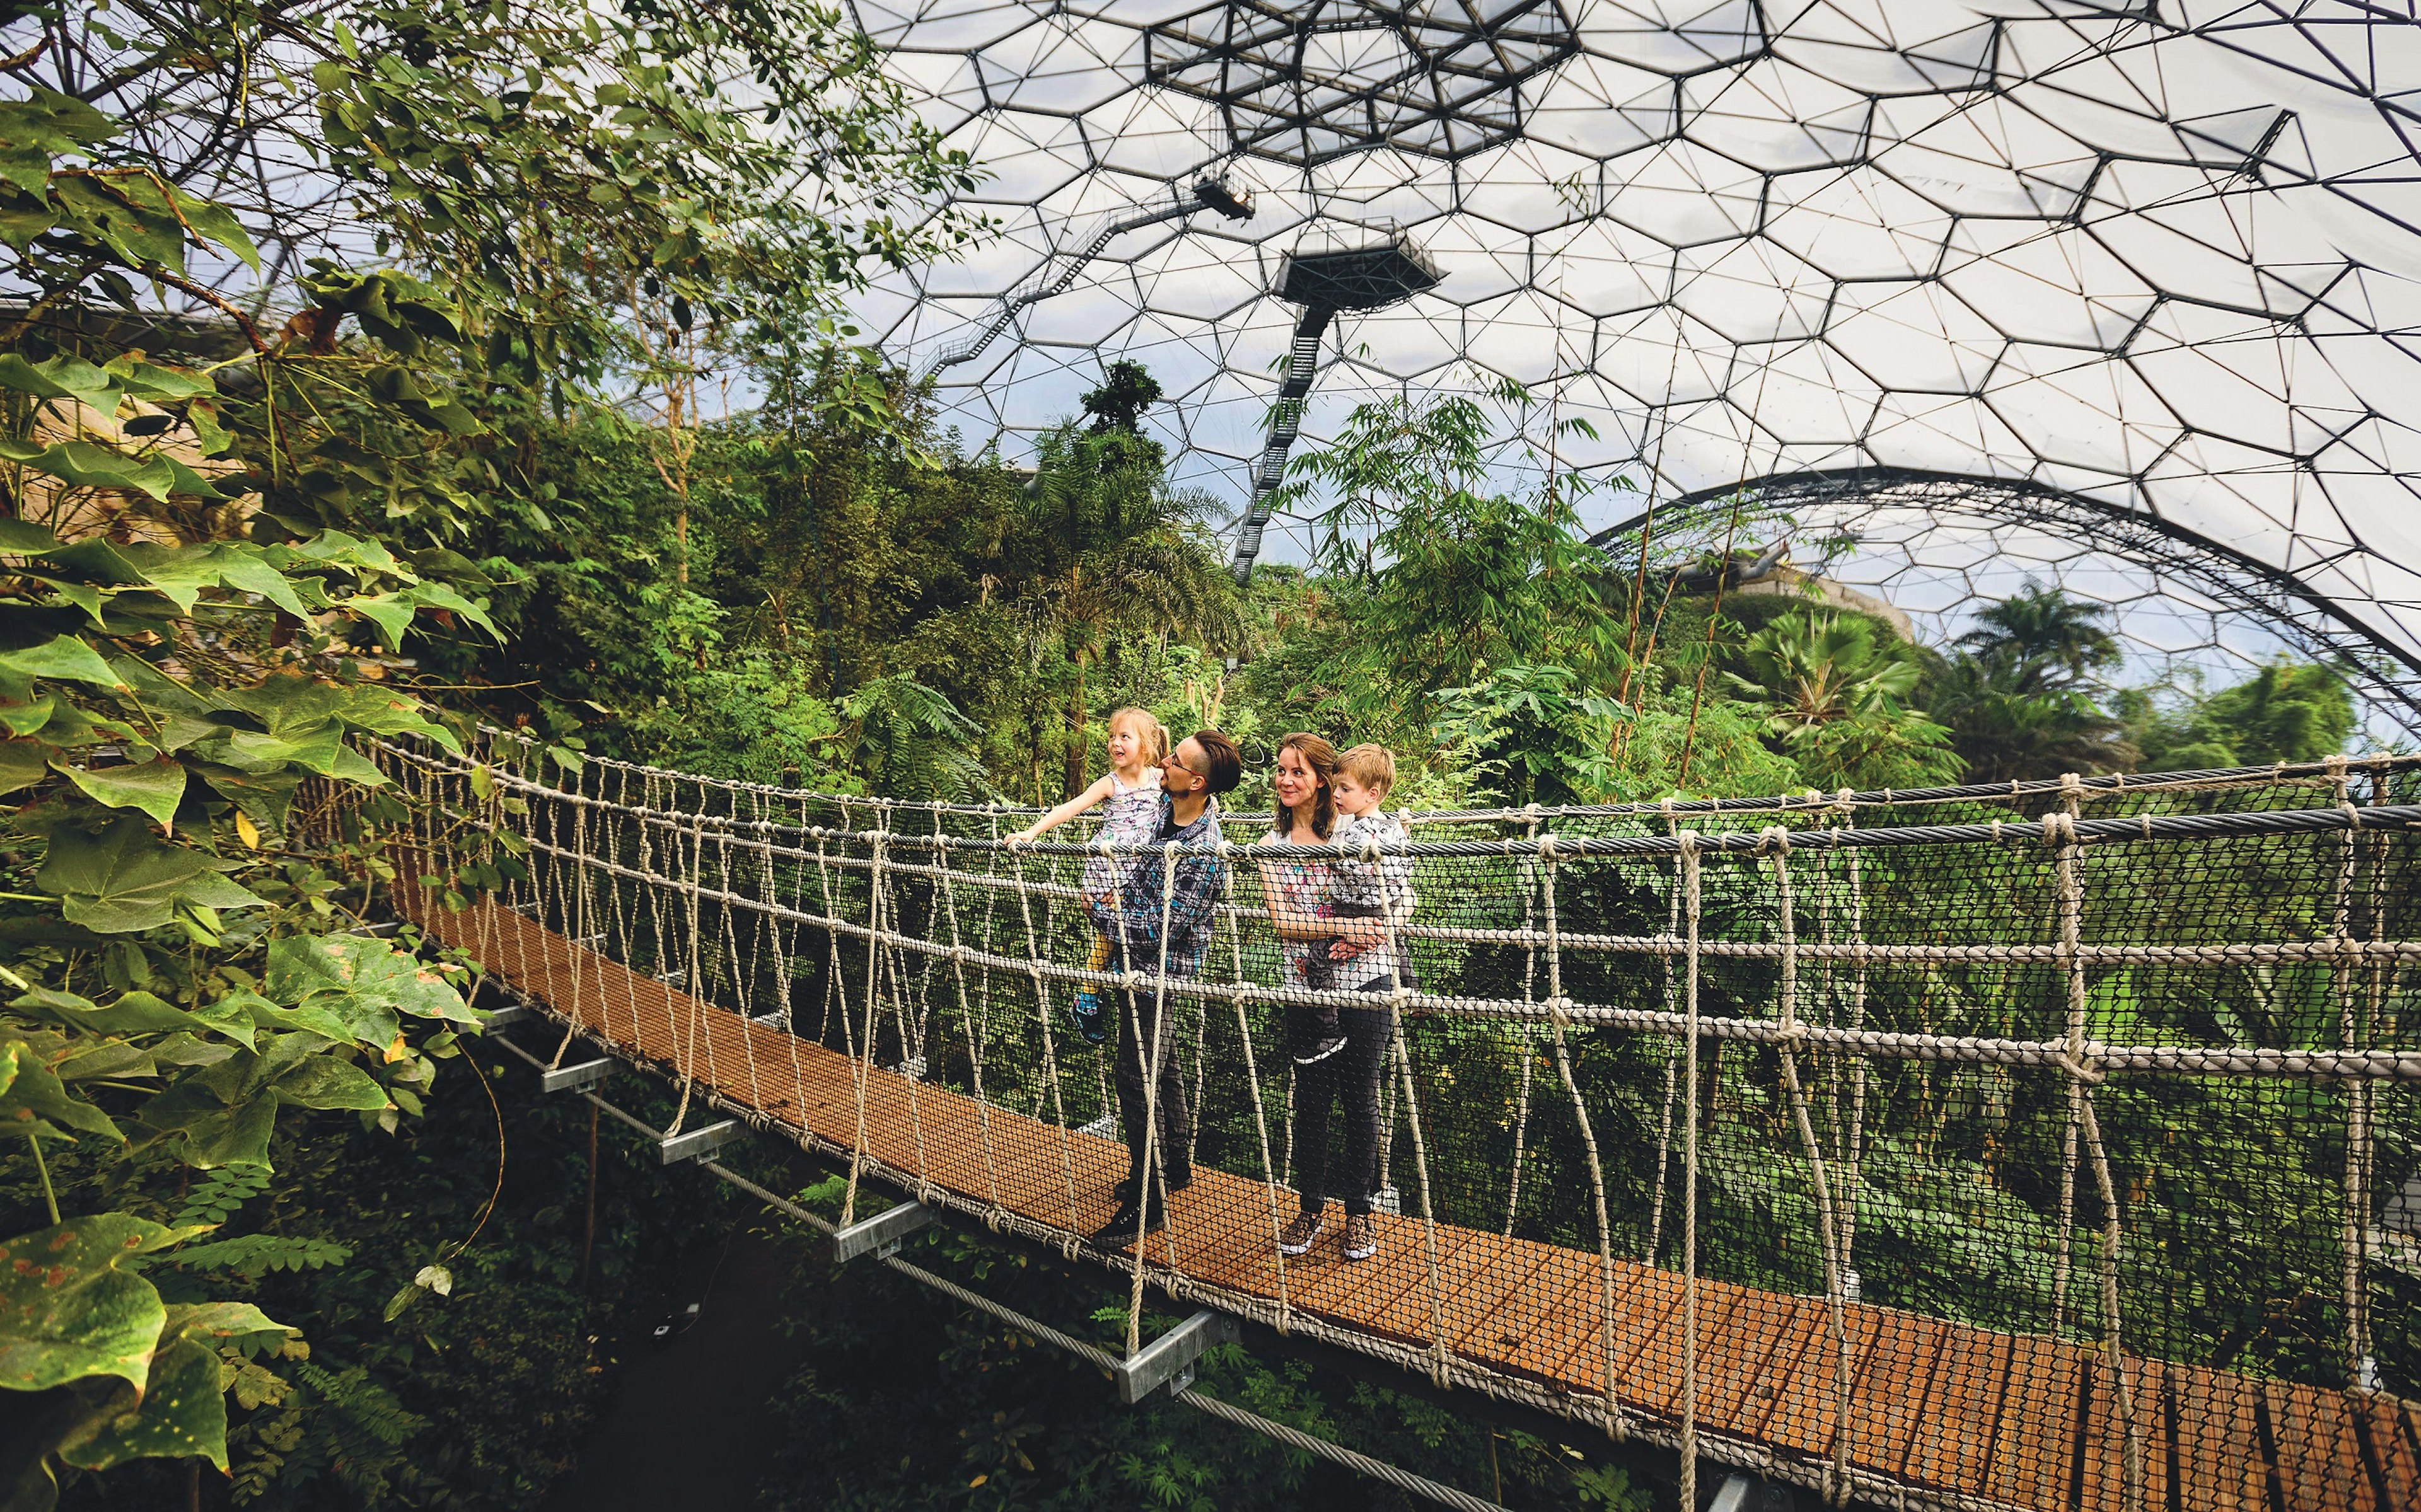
(2377, 665)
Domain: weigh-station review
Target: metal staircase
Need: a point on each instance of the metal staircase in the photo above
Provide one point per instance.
(1286, 423)
(1058, 275)
(1322, 280)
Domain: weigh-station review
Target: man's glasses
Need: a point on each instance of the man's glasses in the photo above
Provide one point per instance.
(1170, 760)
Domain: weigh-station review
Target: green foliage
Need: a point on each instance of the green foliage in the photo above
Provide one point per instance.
(1454, 580)
(1549, 740)
(753, 720)
(2286, 712)
(1127, 390)
(2018, 696)
(1833, 688)
(174, 669)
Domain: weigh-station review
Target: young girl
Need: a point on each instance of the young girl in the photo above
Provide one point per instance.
(1129, 798)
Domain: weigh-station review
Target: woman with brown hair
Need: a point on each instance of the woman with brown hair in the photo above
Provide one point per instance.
(1338, 1053)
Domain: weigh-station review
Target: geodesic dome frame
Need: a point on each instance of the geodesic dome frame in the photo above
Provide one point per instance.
(2146, 277)
(1844, 503)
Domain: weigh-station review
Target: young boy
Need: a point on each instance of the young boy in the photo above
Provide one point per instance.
(1380, 890)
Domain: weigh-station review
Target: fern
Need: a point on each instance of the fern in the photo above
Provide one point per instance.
(216, 1198)
(254, 1255)
(367, 1406)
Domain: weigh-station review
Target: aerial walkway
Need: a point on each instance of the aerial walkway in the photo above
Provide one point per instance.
(2044, 1146)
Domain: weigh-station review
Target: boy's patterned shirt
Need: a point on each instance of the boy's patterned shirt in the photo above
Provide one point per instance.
(1380, 883)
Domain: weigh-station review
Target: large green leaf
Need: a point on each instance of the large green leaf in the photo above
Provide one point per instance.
(152, 381)
(32, 1101)
(47, 122)
(228, 1111)
(115, 1059)
(24, 763)
(62, 659)
(128, 879)
(23, 538)
(290, 703)
(213, 222)
(65, 375)
(134, 1013)
(336, 549)
(156, 787)
(326, 1083)
(264, 796)
(251, 751)
(69, 1309)
(130, 214)
(182, 1412)
(89, 464)
(241, 1012)
(183, 573)
(219, 1323)
(366, 982)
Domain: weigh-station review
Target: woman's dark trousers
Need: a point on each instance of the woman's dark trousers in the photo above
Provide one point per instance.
(1351, 1077)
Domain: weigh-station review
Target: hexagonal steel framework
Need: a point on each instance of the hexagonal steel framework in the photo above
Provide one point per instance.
(2144, 281)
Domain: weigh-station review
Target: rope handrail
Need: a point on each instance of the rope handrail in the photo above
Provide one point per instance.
(2322, 772)
(1547, 844)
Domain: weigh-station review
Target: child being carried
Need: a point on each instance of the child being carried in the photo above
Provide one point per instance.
(1129, 798)
(1370, 956)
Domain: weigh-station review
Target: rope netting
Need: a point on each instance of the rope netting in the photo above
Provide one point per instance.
(2045, 1144)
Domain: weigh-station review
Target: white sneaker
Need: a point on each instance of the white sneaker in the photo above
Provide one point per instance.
(1296, 1237)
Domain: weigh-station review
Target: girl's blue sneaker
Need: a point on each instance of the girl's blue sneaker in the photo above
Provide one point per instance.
(1091, 1021)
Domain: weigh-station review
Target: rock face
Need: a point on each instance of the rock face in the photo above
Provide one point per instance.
(1792, 582)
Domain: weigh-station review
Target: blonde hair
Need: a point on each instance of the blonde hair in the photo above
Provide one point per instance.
(1372, 766)
(1154, 734)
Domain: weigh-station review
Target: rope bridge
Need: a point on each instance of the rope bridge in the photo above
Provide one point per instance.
(2048, 1145)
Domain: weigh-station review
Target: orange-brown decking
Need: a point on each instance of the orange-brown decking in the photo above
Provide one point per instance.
(1937, 1408)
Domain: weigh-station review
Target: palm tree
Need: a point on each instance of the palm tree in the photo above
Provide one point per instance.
(2019, 698)
(1832, 691)
(2004, 734)
(2044, 638)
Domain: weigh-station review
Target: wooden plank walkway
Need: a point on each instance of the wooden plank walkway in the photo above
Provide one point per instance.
(1950, 1414)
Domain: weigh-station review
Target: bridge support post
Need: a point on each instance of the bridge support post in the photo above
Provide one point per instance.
(510, 1014)
(574, 1078)
(879, 1234)
(697, 1144)
(1168, 1359)
(1743, 1492)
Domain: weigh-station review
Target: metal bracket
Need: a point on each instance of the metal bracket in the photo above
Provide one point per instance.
(697, 1144)
(510, 1014)
(574, 1078)
(879, 1234)
(1105, 1126)
(778, 1019)
(1168, 1359)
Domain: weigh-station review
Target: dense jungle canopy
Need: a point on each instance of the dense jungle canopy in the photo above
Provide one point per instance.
(376, 371)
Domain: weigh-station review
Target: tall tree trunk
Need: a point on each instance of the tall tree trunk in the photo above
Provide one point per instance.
(1072, 782)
